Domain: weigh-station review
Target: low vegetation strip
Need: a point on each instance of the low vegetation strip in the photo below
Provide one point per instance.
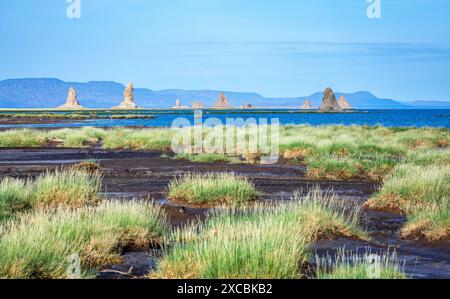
(77, 116)
(256, 242)
(212, 189)
(74, 243)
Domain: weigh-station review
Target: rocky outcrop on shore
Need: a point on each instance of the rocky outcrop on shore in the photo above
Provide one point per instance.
(72, 101)
(197, 105)
(307, 105)
(222, 102)
(178, 105)
(247, 106)
(128, 99)
(329, 103)
(344, 103)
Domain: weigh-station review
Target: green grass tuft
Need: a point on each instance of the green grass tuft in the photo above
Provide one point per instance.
(71, 188)
(353, 266)
(261, 241)
(15, 196)
(40, 244)
(212, 188)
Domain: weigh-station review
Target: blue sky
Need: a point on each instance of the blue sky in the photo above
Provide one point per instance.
(273, 47)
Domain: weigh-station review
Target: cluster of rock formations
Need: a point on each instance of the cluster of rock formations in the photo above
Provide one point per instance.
(128, 99)
(128, 102)
(72, 101)
(329, 102)
(222, 102)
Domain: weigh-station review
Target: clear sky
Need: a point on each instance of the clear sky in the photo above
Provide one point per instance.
(273, 47)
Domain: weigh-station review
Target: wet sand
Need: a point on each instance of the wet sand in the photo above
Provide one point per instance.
(145, 175)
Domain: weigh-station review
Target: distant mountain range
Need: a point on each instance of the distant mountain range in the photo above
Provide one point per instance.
(51, 93)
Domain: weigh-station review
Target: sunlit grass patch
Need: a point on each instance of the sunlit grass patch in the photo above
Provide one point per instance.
(422, 193)
(431, 224)
(15, 196)
(72, 188)
(428, 157)
(22, 138)
(328, 168)
(354, 266)
(143, 139)
(77, 137)
(66, 187)
(39, 244)
(261, 241)
(335, 168)
(413, 188)
(212, 188)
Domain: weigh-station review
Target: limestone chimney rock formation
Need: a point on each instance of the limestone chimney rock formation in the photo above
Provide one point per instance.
(329, 103)
(344, 103)
(197, 105)
(72, 101)
(222, 102)
(247, 106)
(128, 99)
(178, 105)
(307, 105)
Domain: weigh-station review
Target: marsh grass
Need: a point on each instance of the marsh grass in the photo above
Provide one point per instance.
(14, 197)
(358, 152)
(144, 139)
(77, 137)
(38, 244)
(22, 138)
(212, 188)
(422, 193)
(412, 188)
(260, 241)
(66, 187)
(71, 188)
(432, 224)
(330, 153)
(355, 266)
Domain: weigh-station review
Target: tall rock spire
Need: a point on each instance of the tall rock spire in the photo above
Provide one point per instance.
(128, 99)
(222, 102)
(72, 101)
(344, 103)
(329, 103)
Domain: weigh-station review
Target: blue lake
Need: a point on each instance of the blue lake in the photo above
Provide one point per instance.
(164, 118)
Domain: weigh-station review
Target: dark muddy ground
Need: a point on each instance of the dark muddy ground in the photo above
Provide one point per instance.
(145, 175)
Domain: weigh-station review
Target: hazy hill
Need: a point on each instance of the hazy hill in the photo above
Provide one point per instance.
(50, 93)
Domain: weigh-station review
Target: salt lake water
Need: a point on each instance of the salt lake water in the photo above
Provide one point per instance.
(164, 118)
